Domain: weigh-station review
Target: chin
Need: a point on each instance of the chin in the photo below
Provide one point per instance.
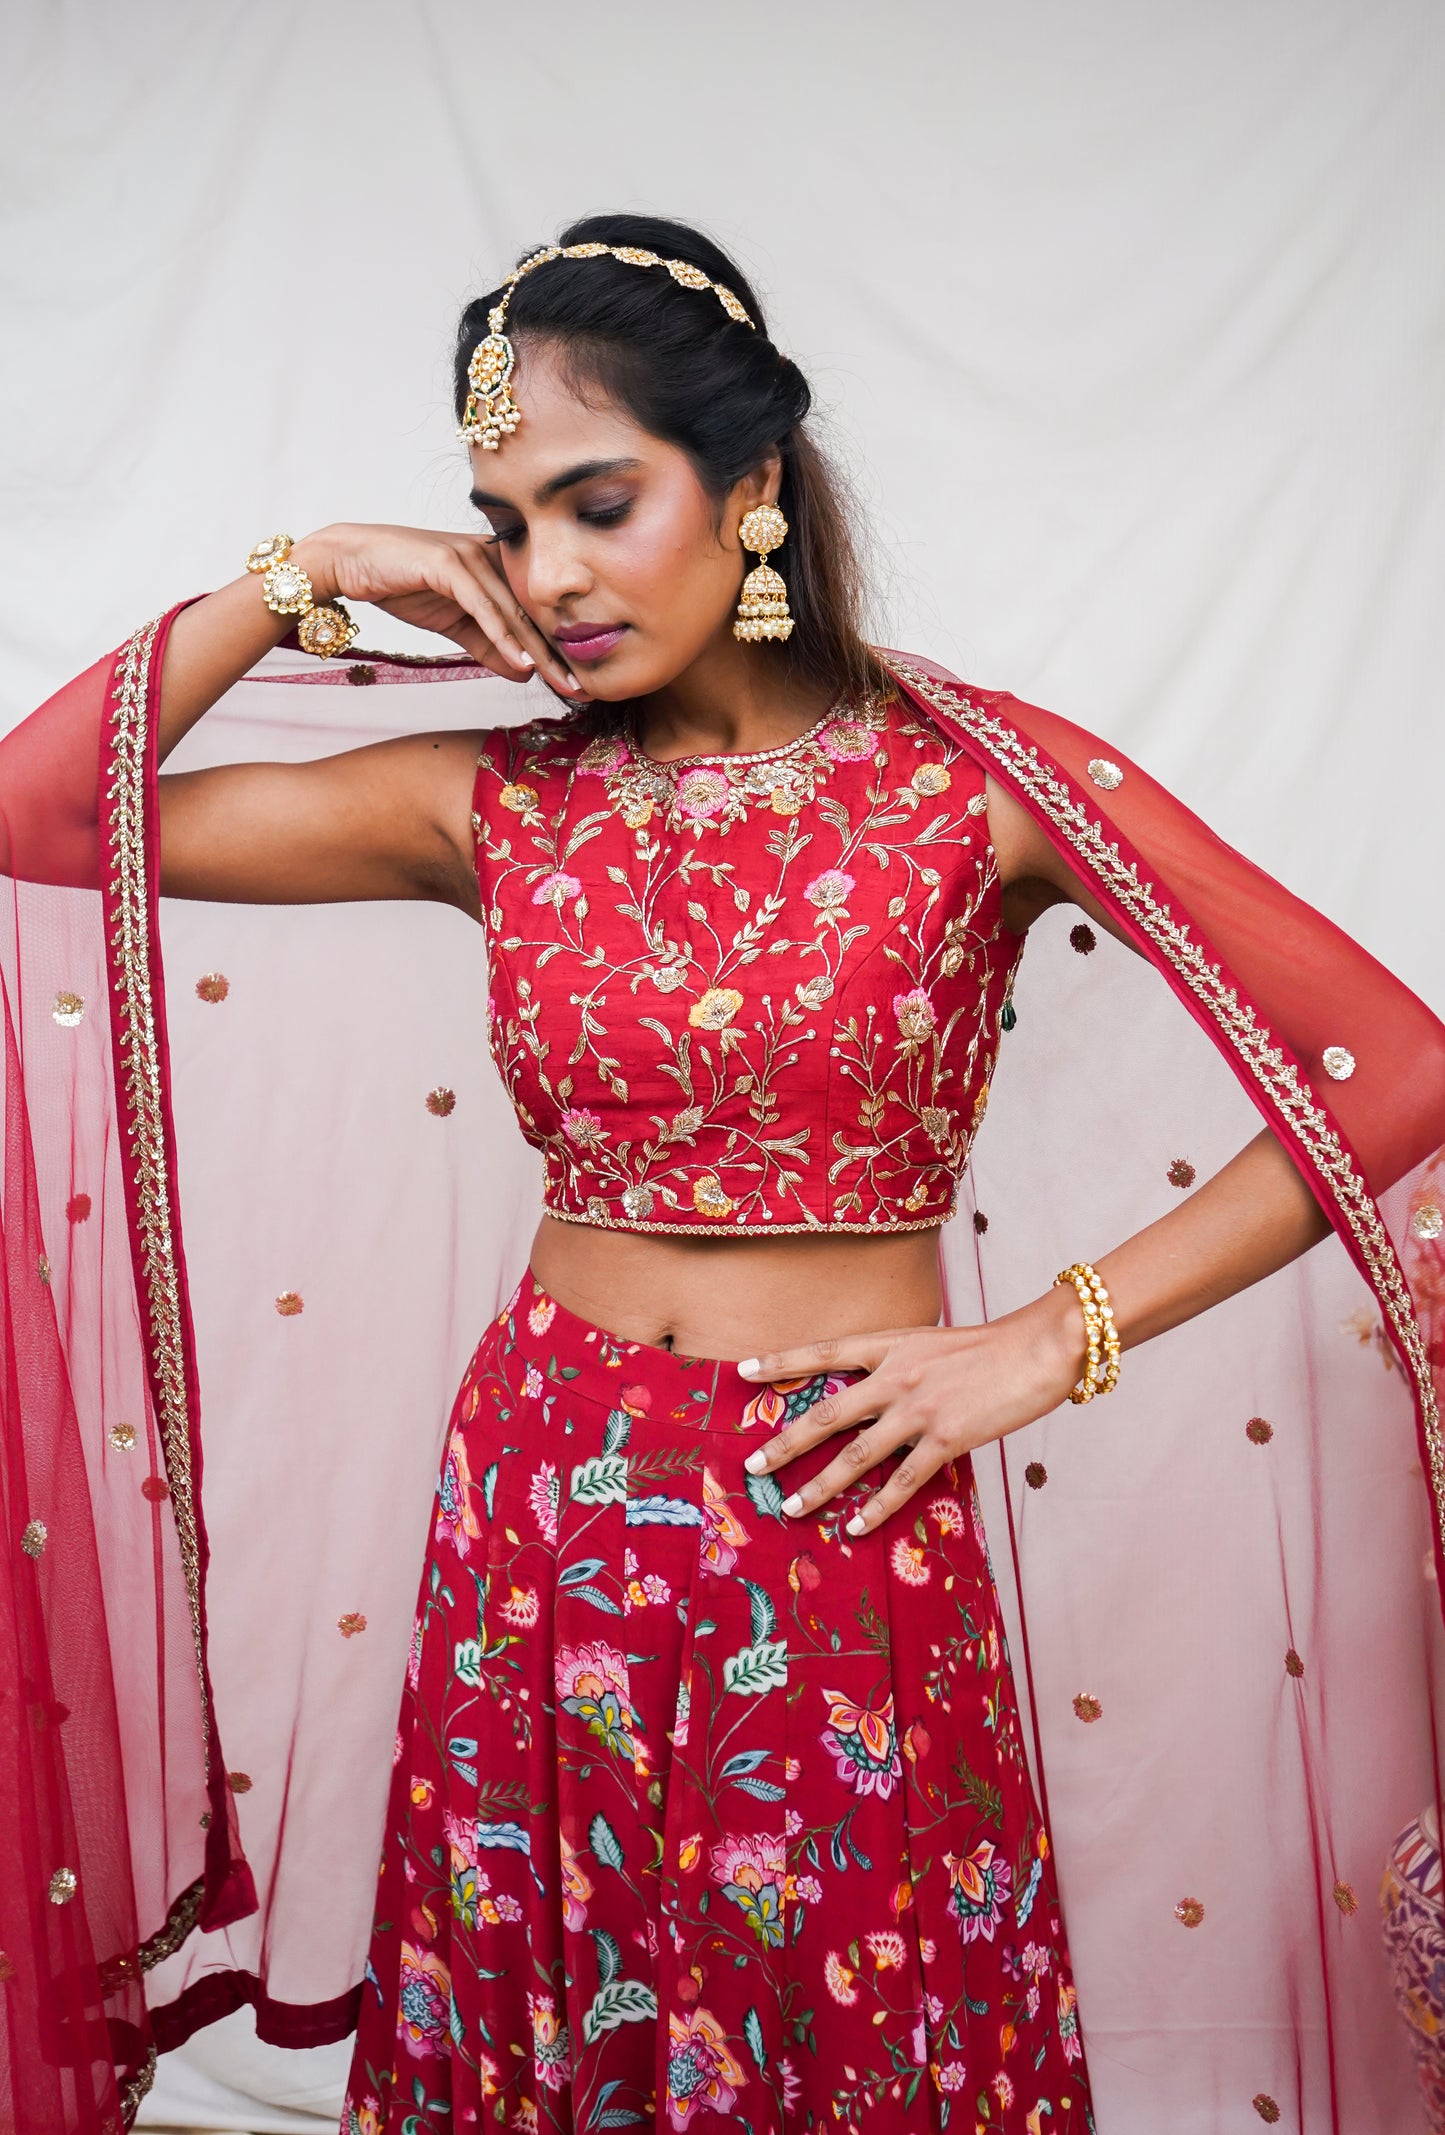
(632, 671)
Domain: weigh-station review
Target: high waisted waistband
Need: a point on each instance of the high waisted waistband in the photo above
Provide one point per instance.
(704, 1393)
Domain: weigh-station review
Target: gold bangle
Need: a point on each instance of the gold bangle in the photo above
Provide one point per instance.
(1101, 1361)
(323, 631)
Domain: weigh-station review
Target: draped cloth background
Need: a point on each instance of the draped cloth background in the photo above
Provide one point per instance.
(1154, 296)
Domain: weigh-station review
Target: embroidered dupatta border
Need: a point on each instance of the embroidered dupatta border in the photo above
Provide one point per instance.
(224, 1891)
(1258, 1055)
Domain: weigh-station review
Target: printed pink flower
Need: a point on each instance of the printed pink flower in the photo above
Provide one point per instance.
(947, 1514)
(831, 890)
(792, 2084)
(976, 1509)
(456, 1520)
(583, 1671)
(584, 1130)
(533, 1383)
(953, 2076)
(887, 1949)
(1069, 2023)
(863, 1744)
(748, 1860)
(915, 1015)
(425, 2000)
(551, 2047)
(722, 1533)
(920, 2041)
(543, 1495)
(521, 1608)
(1003, 2089)
(365, 2118)
(543, 1311)
(704, 2075)
(808, 1890)
(556, 889)
(980, 1883)
(576, 1889)
(839, 1979)
(909, 1563)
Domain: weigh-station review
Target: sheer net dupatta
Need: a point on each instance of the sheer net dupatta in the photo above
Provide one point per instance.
(1223, 1577)
(115, 1830)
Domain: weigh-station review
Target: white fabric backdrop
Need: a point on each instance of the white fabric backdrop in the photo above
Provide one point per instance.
(1130, 314)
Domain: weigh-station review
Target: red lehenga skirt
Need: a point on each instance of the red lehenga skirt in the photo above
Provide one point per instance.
(701, 1816)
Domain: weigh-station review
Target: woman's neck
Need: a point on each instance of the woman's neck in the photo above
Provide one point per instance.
(732, 700)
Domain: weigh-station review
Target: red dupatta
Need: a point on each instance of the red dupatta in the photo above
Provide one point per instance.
(1226, 1564)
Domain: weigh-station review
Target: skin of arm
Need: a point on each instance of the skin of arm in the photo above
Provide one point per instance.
(942, 1391)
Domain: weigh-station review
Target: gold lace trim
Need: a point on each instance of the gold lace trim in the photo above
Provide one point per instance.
(1250, 1041)
(179, 1922)
(142, 1115)
(135, 2090)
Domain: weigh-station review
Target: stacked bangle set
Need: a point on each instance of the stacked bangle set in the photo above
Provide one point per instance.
(1101, 1364)
(286, 590)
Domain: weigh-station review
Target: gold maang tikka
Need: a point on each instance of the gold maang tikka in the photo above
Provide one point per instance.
(491, 413)
(763, 607)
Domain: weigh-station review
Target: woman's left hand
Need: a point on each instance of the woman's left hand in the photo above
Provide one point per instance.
(939, 1391)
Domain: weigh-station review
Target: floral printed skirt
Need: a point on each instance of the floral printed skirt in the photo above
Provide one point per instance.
(701, 1817)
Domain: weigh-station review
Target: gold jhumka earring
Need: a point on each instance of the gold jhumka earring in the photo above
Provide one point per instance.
(763, 608)
(491, 413)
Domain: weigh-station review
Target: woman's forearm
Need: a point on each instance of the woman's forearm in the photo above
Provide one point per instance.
(216, 641)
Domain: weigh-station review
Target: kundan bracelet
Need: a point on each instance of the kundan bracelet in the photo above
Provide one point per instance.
(286, 590)
(1101, 1365)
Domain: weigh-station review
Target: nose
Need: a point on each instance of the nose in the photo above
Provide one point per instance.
(556, 572)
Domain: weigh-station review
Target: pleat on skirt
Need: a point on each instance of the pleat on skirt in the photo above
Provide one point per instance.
(701, 1816)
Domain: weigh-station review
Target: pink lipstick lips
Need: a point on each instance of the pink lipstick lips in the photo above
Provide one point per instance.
(586, 642)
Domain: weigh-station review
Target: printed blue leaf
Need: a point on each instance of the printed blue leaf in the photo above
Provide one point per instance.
(764, 1615)
(764, 1789)
(616, 1431)
(604, 1842)
(609, 1956)
(512, 1836)
(753, 2033)
(489, 1486)
(861, 1858)
(598, 1599)
(835, 1847)
(662, 1512)
(586, 1568)
(766, 1494)
(744, 1761)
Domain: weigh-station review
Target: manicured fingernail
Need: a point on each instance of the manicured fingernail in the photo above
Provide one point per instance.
(524, 659)
(792, 1506)
(855, 1526)
(747, 1366)
(756, 1463)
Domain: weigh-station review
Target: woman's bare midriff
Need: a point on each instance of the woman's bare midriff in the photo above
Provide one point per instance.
(735, 1297)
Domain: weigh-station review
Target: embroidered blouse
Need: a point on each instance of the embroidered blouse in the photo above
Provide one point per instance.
(753, 991)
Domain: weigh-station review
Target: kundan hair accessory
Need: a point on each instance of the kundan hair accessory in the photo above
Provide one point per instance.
(286, 589)
(763, 607)
(491, 413)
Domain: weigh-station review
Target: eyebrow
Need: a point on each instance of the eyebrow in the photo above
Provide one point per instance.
(585, 471)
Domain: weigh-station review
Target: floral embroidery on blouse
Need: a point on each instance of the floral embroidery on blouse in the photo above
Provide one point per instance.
(759, 991)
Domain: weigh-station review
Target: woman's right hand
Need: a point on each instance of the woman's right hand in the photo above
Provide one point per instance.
(448, 583)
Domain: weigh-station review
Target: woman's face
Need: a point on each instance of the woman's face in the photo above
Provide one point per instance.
(607, 537)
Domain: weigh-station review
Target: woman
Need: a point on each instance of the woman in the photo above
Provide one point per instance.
(703, 1810)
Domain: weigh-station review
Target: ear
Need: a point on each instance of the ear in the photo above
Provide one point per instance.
(760, 485)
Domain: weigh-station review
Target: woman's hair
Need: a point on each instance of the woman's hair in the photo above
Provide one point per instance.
(674, 361)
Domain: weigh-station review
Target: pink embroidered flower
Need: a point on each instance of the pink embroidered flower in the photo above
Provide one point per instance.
(908, 1562)
(704, 2075)
(830, 891)
(839, 1979)
(863, 1744)
(584, 1130)
(915, 1015)
(701, 793)
(425, 2000)
(521, 1608)
(556, 889)
(601, 757)
(543, 1494)
(980, 1884)
(551, 2047)
(543, 1310)
(848, 741)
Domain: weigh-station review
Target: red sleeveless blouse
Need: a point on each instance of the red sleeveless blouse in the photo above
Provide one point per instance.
(757, 992)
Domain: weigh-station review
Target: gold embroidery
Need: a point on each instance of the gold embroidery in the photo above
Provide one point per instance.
(135, 2090)
(178, 1924)
(142, 1116)
(1251, 1041)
